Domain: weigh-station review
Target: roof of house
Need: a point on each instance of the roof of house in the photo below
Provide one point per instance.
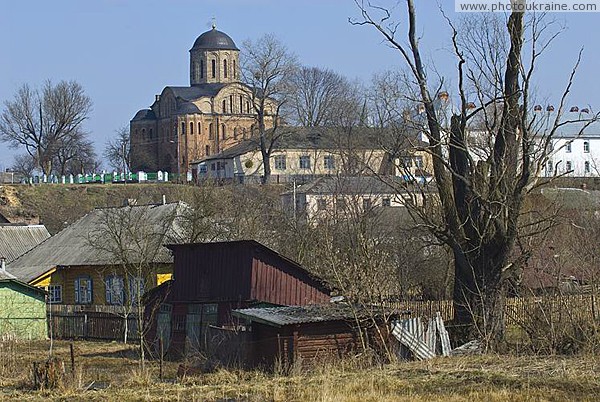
(281, 316)
(16, 240)
(254, 244)
(92, 240)
(351, 185)
(7, 277)
(4, 275)
(316, 138)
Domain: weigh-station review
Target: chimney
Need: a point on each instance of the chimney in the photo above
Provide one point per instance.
(2, 264)
(157, 98)
(164, 201)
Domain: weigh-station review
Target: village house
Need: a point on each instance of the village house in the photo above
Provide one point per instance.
(185, 123)
(302, 154)
(108, 257)
(212, 279)
(23, 308)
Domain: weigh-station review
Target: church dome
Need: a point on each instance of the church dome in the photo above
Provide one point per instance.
(214, 39)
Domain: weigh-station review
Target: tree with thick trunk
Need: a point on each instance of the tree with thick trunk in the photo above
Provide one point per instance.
(479, 198)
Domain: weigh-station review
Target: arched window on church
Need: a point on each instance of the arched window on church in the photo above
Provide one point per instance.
(201, 68)
(199, 128)
(225, 68)
(241, 104)
(207, 150)
(151, 137)
(143, 132)
(223, 132)
(247, 107)
(224, 106)
(230, 103)
(214, 68)
(191, 127)
(234, 70)
(211, 131)
(183, 128)
(235, 133)
(244, 133)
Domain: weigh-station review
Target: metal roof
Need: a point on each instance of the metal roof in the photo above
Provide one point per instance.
(281, 316)
(196, 91)
(214, 39)
(16, 240)
(6, 276)
(332, 185)
(89, 241)
(144, 114)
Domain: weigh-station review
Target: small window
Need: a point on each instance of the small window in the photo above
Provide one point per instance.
(305, 162)
(569, 166)
(321, 204)
(201, 68)
(223, 132)
(224, 106)
(241, 104)
(549, 168)
(234, 70)
(386, 202)
(191, 128)
(183, 128)
(83, 290)
(568, 147)
(367, 204)
(586, 146)
(247, 106)
(115, 291)
(199, 128)
(235, 133)
(280, 162)
(55, 294)
(207, 150)
(136, 289)
(211, 131)
(419, 162)
(225, 68)
(213, 166)
(151, 134)
(329, 162)
(407, 161)
(230, 103)
(214, 68)
(586, 166)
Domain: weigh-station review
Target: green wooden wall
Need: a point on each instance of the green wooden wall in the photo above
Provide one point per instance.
(22, 311)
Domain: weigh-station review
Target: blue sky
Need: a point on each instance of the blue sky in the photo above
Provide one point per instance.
(125, 51)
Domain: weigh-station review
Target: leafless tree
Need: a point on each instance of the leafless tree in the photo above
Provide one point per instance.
(75, 154)
(24, 164)
(38, 120)
(117, 151)
(479, 200)
(318, 96)
(267, 66)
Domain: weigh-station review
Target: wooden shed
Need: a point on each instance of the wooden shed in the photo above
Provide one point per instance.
(308, 334)
(212, 279)
(22, 309)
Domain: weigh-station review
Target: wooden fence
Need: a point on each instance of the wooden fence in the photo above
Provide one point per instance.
(518, 310)
(92, 325)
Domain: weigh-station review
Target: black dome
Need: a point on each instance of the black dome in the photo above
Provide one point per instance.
(214, 39)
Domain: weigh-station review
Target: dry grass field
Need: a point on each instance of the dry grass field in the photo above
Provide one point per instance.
(109, 372)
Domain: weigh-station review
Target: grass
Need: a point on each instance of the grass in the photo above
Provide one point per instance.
(489, 378)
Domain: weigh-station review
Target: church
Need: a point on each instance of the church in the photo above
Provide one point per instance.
(188, 123)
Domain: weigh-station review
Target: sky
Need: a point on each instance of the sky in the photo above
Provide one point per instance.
(124, 52)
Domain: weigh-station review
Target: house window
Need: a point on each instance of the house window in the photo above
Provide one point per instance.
(305, 162)
(586, 166)
(386, 202)
(329, 162)
(568, 147)
(569, 166)
(225, 68)
(321, 204)
(191, 128)
(407, 162)
(586, 146)
(115, 290)
(549, 168)
(280, 162)
(55, 294)
(84, 290)
(366, 204)
(136, 289)
(419, 162)
(214, 68)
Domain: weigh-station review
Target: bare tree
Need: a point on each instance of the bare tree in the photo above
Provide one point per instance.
(267, 67)
(318, 96)
(24, 164)
(479, 200)
(40, 119)
(75, 154)
(118, 150)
